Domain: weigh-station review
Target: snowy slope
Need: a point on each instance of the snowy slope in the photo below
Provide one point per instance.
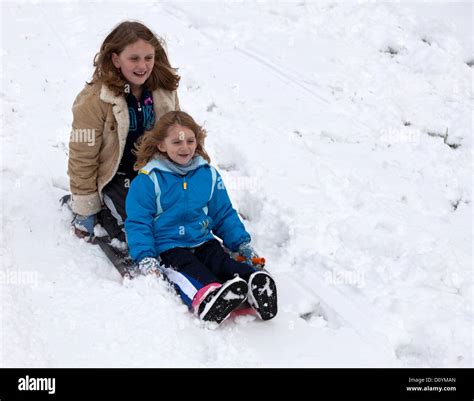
(344, 135)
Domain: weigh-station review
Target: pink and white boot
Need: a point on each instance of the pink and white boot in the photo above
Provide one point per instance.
(215, 301)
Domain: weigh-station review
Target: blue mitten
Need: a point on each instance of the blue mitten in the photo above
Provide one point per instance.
(85, 223)
(248, 255)
(148, 266)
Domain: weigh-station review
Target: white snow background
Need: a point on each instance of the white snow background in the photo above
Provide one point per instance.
(344, 134)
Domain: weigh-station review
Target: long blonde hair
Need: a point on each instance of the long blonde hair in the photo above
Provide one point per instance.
(124, 34)
(147, 146)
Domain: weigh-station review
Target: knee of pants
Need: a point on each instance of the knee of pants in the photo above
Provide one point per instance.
(186, 263)
(178, 258)
(211, 250)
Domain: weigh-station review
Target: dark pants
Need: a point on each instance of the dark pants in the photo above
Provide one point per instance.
(206, 264)
(113, 215)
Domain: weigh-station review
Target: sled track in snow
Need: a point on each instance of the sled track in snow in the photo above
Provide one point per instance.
(358, 315)
(283, 73)
(317, 92)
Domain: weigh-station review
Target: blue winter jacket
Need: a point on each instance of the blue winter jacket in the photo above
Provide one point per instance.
(166, 210)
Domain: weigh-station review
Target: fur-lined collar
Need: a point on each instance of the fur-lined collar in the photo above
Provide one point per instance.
(108, 96)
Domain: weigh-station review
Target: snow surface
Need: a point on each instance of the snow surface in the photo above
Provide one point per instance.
(344, 134)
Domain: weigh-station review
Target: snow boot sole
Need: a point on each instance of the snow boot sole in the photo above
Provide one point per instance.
(218, 305)
(263, 295)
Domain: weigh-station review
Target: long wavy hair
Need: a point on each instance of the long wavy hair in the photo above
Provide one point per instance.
(124, 34)
(147, 146)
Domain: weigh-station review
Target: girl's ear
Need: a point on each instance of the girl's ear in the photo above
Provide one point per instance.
(116, 60)
(161, 147)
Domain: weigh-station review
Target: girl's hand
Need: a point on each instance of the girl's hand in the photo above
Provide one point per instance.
(148, 266)
(85, 224)
(248, 255)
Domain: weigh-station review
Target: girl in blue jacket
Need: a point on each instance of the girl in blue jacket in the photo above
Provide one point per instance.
(176, 207)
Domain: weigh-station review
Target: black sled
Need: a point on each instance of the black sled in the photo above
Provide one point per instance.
(118, 257)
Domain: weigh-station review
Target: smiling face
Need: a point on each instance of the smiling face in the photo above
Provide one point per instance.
(136, 62)
(180, 144)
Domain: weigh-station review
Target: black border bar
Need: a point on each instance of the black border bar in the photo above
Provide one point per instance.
(241, 384)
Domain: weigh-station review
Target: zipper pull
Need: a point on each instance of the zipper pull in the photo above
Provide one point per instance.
(139, 106)
(185, 185)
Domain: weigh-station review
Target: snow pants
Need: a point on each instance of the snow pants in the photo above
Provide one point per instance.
(113, 215)
(194, 268)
